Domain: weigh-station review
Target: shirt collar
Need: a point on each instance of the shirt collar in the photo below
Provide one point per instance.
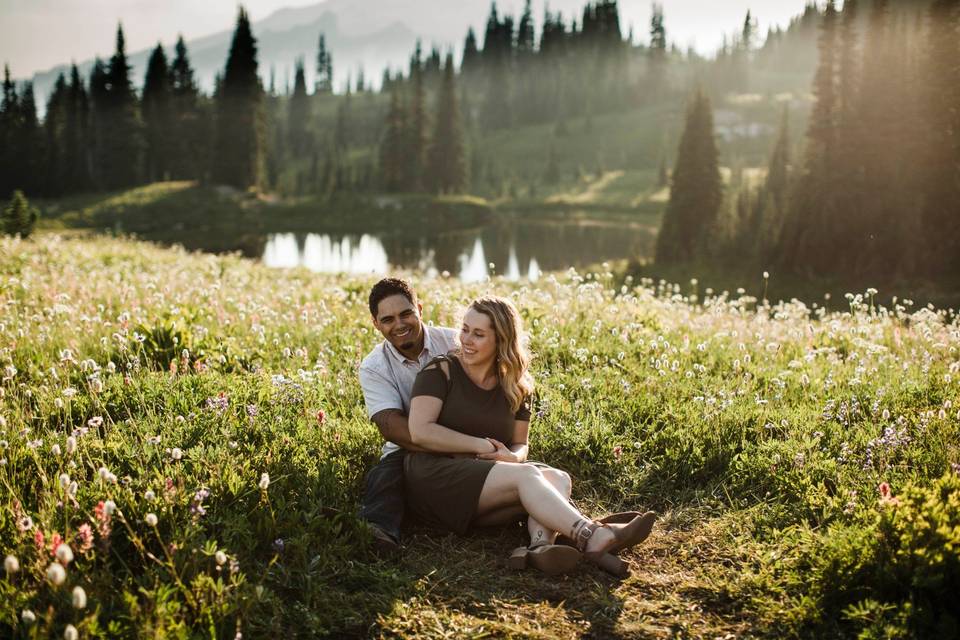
(399, 357)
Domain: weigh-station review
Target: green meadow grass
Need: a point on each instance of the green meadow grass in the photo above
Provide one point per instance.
(804, 462)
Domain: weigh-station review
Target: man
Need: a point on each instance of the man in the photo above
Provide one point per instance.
(386, 378)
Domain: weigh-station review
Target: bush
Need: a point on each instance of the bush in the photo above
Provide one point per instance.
(19, 218)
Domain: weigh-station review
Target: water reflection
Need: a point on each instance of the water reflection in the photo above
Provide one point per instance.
(516, 251)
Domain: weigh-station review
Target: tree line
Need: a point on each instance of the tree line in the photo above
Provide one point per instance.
(877, 191)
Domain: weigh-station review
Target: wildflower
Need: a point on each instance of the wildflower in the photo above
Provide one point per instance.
(69, 392)
(64, 480)
(109, 507)
(55, 541)
(176, 454)
(321, 417)
(55, 449)
(95, 422)
(64, 553)
(84, 538)
(264, 481)
(149, 495)
(39, 541)
(28, 617)
(153, 440)
(220, 557)
(70, 633)
(71, 445)
(11, 565)
(56, 574)
(617, 453)
(151, 519)
(196, 505)
(25, 523)
(278, 545)
(79, 598)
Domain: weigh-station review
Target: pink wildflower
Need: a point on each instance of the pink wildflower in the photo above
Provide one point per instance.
(38, 540)
(103, 517)
(617, 453)
(55, 541)
(886, 498)
(84, 538)
(321, 417)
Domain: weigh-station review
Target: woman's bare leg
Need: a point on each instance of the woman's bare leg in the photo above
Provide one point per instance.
(509, 483)
(539, 534)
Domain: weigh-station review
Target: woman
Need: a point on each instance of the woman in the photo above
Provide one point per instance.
(472, 408)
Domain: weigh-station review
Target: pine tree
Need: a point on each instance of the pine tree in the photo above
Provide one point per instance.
(446, 163)
(240, 118)
(28, 142)
(690, 220)
(471, 55)
(416, 145)
(54, 126)
(189, 134)
(298, 113)
(157, 106)
(76, 135)
(99, 122)
(393, 157)
(19, 218)
(772, 202)
(9, 122)
(811, 239)
(658, 49)
(122, 139)
(940, 112)
(525, 35)
(343, 128)
(324, 78)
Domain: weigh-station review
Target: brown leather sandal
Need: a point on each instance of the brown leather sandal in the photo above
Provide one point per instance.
(552, 559)
(621, 517)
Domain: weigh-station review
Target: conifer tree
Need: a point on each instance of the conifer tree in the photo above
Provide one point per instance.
(696, 190)
(771, 205)
(9, 122)
(298, 113)
(189, 134)
(525, 35)
(393, 157)
(416, 146)
(471, 55)
(19, 218)
(28, 142)
(658, 49)
(99, 122)
(343, 128)
(54, 126)
(238, 159)
(122, 138)
(324, 78)
(940, 168)
(75, 136)
(157, 106)
(446, 164)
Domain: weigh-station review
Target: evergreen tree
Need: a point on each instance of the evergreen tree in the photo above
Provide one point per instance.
(324, 79)
(28, 142)
(471, 55)
(189, 133)
(393, 156)
(658, 49)
(446, 164)
(240, 118)
(811, 238)
(940, 172)
(525, 35)
(19, 218)
(298, 113)
(157, 105)
(343, 129)
(416, 146)
(99, 122)
(122, 138)
(772, 202)
(76, 136)
(690, 220)
(54, 126)
(9, 123)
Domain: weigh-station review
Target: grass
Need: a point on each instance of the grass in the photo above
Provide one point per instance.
(804, 464)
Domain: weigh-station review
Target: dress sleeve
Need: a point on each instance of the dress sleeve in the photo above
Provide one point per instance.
(430, 382)
(523, 413)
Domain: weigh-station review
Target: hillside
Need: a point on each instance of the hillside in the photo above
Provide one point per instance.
(191, 426)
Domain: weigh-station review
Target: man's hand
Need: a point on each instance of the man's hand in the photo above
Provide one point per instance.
(500, 453)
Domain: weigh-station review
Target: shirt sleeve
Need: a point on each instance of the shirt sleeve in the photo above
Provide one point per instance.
(430, 382)
(378, 392)
(523, 413)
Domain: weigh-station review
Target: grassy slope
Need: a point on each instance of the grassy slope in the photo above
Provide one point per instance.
(754, 432)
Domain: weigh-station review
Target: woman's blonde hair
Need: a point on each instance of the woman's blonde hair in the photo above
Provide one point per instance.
(513, 360)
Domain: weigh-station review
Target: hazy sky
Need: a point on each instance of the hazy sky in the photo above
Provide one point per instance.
(38, 34)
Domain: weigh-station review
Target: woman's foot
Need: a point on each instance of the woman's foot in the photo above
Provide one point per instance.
(552, 559)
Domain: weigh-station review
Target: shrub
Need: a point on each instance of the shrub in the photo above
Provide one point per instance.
(19, 218)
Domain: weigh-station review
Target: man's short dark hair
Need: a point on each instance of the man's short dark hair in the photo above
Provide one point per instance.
(390, 287)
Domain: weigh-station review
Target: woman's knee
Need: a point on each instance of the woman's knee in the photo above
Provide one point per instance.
(559, 479)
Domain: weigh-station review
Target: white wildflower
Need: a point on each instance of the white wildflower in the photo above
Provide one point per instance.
(56, 574)
(79, 598)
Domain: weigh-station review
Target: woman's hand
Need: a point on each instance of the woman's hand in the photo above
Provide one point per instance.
(500, 453)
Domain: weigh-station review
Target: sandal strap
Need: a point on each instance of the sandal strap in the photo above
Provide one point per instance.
(581, 533)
